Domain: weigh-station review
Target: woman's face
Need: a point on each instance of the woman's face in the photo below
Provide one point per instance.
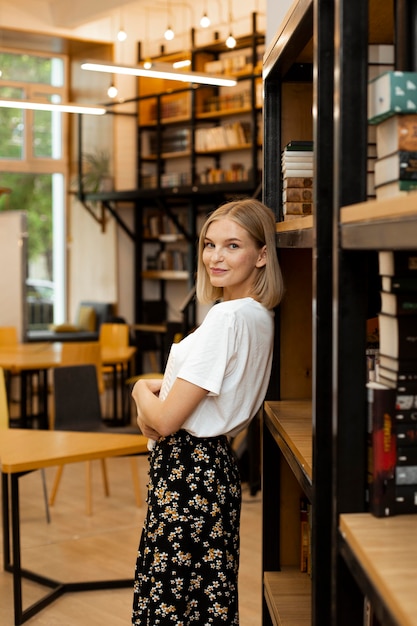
(231, 258)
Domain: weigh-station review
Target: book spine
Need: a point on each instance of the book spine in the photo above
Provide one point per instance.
(381, 403)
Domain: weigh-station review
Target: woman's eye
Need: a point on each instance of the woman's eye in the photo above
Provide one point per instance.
(208, 244)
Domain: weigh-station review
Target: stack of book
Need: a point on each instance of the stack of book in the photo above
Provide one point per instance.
(381, 59)
(393, 397)
(392, 107)
(297, 179)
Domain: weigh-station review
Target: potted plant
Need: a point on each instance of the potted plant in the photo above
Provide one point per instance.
(96, 172)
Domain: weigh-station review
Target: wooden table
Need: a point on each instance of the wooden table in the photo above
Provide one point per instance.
(26, 358)
(23, 451)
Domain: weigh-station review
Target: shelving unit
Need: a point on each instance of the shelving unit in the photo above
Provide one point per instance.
(315, 416)
(182, 177)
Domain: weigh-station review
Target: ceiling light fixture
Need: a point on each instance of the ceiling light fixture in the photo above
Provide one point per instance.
(68, 107)
(169, 33)
(230, 41)
(205, 20)
(179, 64)
(112, 91)
(122, 35)
(159, 70)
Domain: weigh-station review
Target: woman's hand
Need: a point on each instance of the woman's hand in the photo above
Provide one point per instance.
(144, 386)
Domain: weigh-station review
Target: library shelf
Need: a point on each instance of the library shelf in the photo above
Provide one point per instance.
(288, 596)
(289, 422)
(296, 233)
(165, 275)
(382, 555)
(378, 224)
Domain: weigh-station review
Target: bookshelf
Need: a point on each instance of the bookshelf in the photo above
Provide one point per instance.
(314, 424)
(173, 175)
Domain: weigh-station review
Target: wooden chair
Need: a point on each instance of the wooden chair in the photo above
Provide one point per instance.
(8, 336)
(4, 423)
(77, 407)
(113, 335)
(84, 353)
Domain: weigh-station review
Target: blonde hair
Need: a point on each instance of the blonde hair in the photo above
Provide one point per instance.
(259, 222)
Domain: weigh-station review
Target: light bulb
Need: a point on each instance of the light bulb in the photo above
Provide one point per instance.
(112, 91)
(230, 41)
(205, 21)
(147, 64)
(122, 35)
(169, 34)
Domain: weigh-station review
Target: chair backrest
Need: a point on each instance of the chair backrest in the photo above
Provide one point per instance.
(8, 336)
(4, 406)
(114, 335)
(76, 400)
(83, 353)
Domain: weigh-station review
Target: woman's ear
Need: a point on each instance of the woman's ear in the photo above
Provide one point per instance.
(261, 262)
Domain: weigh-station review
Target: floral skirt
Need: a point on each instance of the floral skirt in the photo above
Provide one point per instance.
(188, 557)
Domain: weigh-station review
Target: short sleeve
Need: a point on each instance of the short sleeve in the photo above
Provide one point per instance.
(213, 351)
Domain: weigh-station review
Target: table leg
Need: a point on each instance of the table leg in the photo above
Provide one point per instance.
(5, 520)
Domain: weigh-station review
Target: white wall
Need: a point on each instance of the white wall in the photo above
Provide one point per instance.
(13, 238)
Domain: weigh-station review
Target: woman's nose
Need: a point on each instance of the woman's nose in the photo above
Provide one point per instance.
(217, 254)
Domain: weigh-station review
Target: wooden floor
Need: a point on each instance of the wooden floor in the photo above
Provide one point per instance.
(75, 547)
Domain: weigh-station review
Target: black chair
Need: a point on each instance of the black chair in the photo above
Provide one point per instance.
(77, 407)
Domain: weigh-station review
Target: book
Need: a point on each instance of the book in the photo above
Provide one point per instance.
(406, 456)
(398, 303)
(297, 208)
(297, 181)
(297, 172)
(381, 449)
(391, 379)
(398, 132)
(395, 188)
(399, 284)
(400, 165)
(406, 499)
(297, 194)
(397, 262)
(303, 144)
(398, 335)
(390, 93)
(304, 536)
(406, 434)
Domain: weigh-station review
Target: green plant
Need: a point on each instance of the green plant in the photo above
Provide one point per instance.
(96, 168)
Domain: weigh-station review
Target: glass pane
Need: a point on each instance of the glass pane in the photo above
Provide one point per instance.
(46, 134)
(33, 193)
(11, 126)
(32, 69)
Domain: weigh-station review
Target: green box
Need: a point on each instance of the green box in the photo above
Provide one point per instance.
(391, 93)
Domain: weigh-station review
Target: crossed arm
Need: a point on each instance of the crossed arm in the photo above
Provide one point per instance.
(160, 418)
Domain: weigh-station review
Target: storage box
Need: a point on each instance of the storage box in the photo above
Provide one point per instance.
(391, 93)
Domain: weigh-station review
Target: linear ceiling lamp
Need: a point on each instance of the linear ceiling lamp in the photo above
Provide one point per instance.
(159, 70)
(68, 107)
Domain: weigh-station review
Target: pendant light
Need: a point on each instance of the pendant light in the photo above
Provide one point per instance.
(169, 33)
(205, 20)
(230, 41)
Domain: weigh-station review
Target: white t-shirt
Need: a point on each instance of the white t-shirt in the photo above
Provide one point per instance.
(230, 355)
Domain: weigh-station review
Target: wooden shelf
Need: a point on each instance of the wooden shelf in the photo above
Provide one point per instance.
(290, 423)
(242, 146)
(386, 551)
(223, 113)
(288, 596)
(296, 233)
(389, 223)
(165, 275)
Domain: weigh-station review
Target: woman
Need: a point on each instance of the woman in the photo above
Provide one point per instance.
(214, 383)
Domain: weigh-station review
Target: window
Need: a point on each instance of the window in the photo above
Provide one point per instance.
(34, 168)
